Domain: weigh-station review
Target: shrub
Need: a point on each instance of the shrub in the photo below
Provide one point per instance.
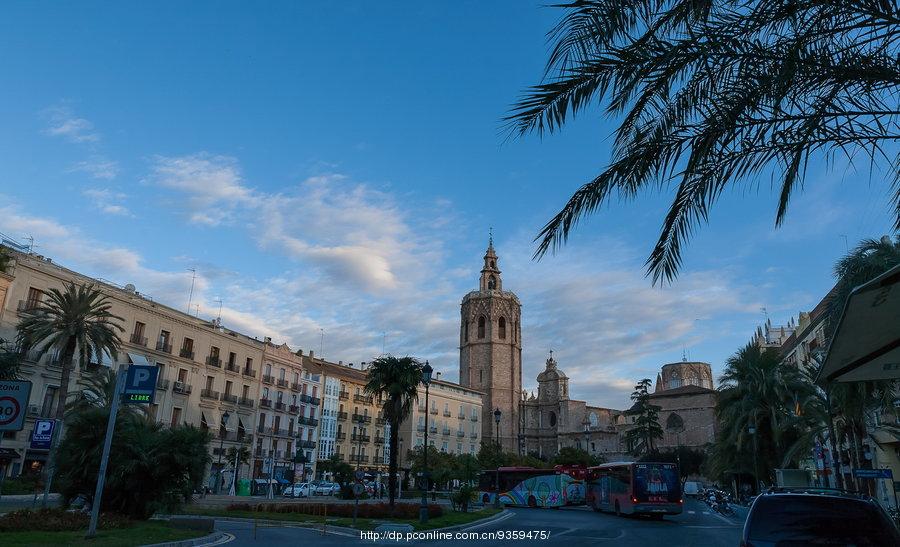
(56, 520)
(366, 510)
(26, 484)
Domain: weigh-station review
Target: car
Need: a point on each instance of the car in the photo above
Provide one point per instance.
(297, 490)
(326, 488)
(812, 516)
(691, 488)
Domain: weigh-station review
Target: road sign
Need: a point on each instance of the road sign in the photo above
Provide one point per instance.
(13, 402)
(358, 489)
(140, 384)
(360, 475)
(42, 434)
(873, 473)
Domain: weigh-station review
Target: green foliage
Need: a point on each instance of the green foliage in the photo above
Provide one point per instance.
(24, 484)
(96, 390)
(340, 470)
(492, 456)
(463, 497)
(646, 426)
(9, 360)
(569, 455)
(396, 381)
(5, 259)
(55, 520)
(712, 94)
(151, 467)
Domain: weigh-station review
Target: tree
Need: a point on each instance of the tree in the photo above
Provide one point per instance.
(690, 461)
(78, 318)
(242, 453)
(151, 467)
(712, 94)
(97, 390)
(396, 380)
(646, 426)
(569, 455)
(339, 469)
(5, 259)
(9, 361)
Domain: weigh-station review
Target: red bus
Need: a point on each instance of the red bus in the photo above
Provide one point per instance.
(635, 488)
(528, 487)
(579, 476)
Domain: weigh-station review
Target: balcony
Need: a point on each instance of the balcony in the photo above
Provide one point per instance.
(231, 367)
(258, 452)
(422, 408)
(182, 388)
(344, 395)
(281, 383)
(357, 438)
(162, 385)
(312, 422)
(445, 431)
(434, 410)
(342, 416)
(281, 432)
(164, 346)
(379, 439)
(209, 394)
(249, 372)
(280, 406)
(461, 416)
(268, 379)
(433, 429)
(265, 403)
(362, 418)
(460, 433)
(136, 338)
(447, 413)
(474, 417)
(261, 429)
(340, 456)
(365, 399)
(296, 387)
(293, 409)
(473, 435)
(213, 361)
(359, 459)
(229, 398)
(340, 435)
(307, 444)
(309, 399)
(380, 420)
(243, 401)
(186, 353)
(420, 428)
(28, 306)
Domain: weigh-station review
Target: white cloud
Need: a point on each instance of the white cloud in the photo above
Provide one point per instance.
(63, 123)
(108, 201)
(97, 167)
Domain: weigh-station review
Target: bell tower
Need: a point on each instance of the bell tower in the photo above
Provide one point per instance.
(490, 352)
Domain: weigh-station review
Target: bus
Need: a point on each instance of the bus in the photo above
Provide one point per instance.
(628, 488)
(528, 487)
(578, 473)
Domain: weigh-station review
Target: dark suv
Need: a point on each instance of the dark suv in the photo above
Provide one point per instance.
(791, 517)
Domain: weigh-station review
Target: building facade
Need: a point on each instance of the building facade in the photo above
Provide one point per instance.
(209, 376)
(453, 419)
(490, 352)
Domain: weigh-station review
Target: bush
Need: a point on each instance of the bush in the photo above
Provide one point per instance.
(56, 520)
(26, 484)
(366, 510)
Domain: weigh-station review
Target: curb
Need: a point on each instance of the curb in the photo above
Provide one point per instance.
(203, 540)
(481, 522)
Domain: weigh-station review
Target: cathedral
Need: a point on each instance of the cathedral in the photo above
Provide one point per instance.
(490, 361)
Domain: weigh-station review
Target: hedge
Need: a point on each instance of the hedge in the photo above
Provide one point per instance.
(56, 520)
(366, 510)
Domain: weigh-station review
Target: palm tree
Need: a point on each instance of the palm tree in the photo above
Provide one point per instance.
(76, 319)
(396, 380)
(97, 391)
(710, 95)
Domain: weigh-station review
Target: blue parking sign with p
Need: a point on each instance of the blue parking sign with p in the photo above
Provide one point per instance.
(140, 384)
(42, 436)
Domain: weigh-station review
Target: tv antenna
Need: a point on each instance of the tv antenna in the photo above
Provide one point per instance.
(191, 294)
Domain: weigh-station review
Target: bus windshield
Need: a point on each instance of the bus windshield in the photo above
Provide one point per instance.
(656, 483)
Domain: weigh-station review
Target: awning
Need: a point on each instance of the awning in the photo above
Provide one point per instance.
(866, 342)
(138, 359)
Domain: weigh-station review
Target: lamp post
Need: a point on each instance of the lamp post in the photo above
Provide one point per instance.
(586, 424)
(221, 449)
(359, 423)
(399, 469)
(423, 510)
(752, 430)
(497, 415)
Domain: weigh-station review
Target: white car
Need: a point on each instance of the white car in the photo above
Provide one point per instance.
(327, 488)
(298, 490)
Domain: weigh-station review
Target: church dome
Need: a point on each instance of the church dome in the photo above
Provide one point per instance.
(551, 373)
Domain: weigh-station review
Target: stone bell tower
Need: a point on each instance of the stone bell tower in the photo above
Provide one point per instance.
(490, 352)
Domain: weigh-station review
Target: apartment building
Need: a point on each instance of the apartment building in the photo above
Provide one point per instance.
(209, 376)
(452, 419)
(360, 432)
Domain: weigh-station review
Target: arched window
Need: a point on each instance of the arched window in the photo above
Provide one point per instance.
(492, 283)
(502, 328)
(674, 423)
(481, 327)
(493, 265)
(466, 331)
(552, 419)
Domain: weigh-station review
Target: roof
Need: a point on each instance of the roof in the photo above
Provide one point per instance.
(818, 314)
(683, 390)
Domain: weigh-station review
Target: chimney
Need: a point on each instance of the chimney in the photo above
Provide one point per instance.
(439, 375)
(340, 362)
(312, 354)
(300, 352)
(267, 339)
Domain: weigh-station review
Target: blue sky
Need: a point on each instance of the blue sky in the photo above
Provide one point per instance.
(337, 166)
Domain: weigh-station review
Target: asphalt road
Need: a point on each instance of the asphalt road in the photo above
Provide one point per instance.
(569, 526)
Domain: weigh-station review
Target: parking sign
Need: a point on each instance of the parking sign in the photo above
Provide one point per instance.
(42, 435)
(140, 384)
(13, 402)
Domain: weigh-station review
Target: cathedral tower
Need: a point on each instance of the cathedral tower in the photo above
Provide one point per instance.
(490, 352)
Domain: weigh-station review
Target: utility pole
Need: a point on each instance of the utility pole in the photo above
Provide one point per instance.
(104, 458)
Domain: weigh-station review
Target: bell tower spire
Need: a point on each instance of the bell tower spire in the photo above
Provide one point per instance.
(490, 274)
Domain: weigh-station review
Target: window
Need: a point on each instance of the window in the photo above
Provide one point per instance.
(552, 419)
(187, 348)
(481, 327)
(444, 446)
(232, 359)
(137, 337)
(281, 374)
(209, 383)
(176, 417)
(34, 298)
(213, 352)
(182, 375)
(48, 408)
(502, 328)
(265, 393)
(268, 369)
(492, 283)
(674, 423)
(296, 377)
(466, 331)
(249, 363)
(165, 340)
(481, 376)
(228, 386)
(245, 392)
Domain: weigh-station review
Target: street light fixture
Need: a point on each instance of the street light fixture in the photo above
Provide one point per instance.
(423, 510)
(752, 430)
(586, 424)
(497, 415)
(359, 423)
(225, 417)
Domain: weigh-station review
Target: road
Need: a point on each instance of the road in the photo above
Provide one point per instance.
(570, 526)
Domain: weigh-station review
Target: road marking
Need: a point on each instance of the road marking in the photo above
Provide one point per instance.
(494, 521)
(705, 512)
(692, 512)
(226, 538)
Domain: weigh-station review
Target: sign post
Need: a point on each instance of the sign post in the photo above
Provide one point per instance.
(14, 396)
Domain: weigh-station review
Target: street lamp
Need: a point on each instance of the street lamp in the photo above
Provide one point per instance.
(359, 423)
(586, 424)
(752, 430)
(221, 449)
(497, 415)
(423, 510)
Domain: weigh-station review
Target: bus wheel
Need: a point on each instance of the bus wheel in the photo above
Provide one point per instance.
(485, 499)
(618, 511)
(532, 502)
